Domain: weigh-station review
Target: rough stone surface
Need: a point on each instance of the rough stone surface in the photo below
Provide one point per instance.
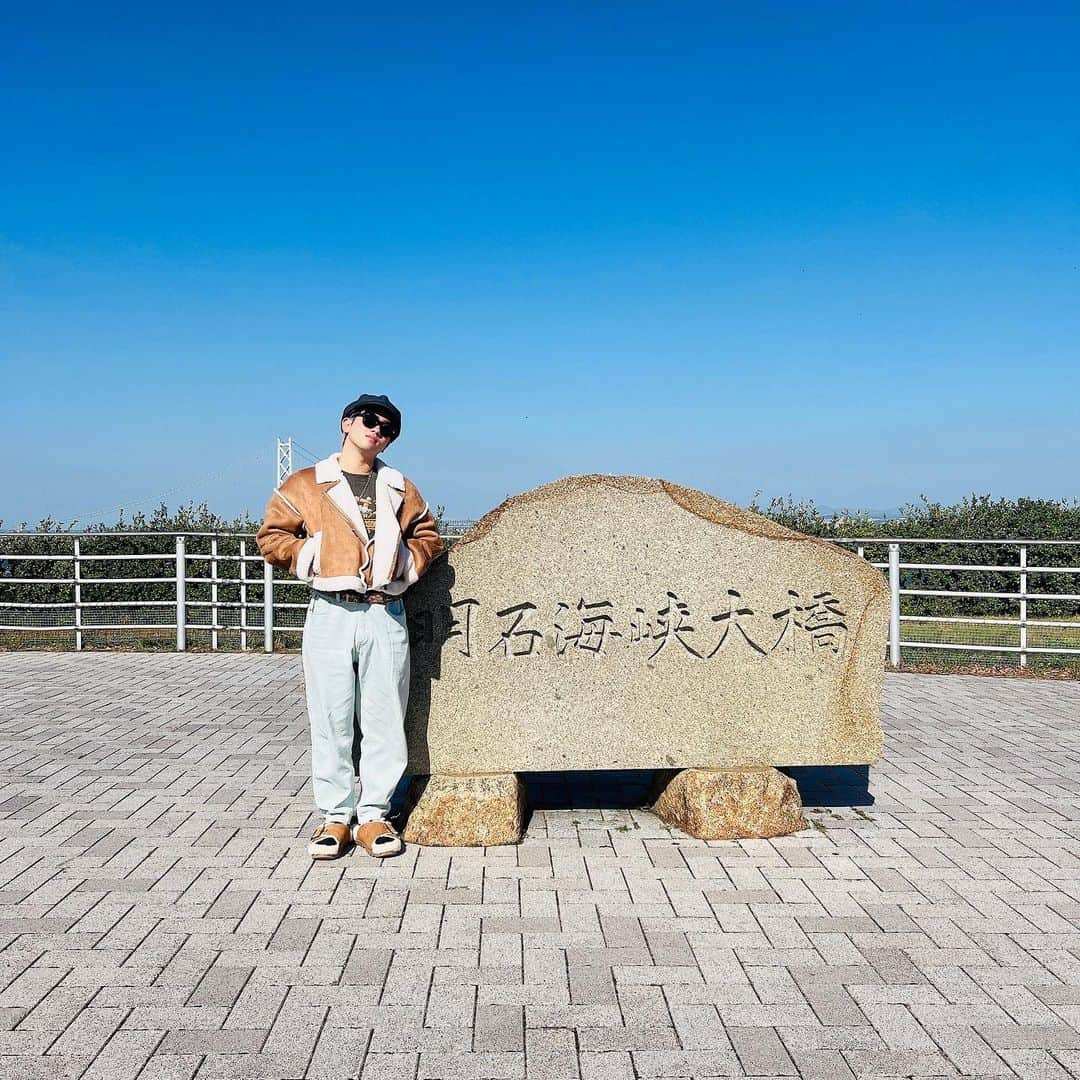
(730, 804)
(621, 622)
(466, 811)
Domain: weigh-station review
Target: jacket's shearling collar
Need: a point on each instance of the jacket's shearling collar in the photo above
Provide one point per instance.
(389, 492)
(329, 469)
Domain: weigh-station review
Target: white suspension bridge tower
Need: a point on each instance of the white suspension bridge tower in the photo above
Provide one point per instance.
(284, 460)
(289, 456)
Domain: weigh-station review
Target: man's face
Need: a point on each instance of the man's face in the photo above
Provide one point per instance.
(366, 430)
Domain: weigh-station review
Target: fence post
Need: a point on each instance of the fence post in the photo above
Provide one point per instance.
(243, 596)
(78, 598)
(181, 594)
(894, 605)
(1023, 605)
(268, 607)
(213, 594)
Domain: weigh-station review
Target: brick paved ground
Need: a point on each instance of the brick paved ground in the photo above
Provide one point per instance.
(162, 920)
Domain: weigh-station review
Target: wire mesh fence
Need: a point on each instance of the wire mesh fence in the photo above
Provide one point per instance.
(955, 602)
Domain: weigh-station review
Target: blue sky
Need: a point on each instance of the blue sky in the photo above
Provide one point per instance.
(831, 250)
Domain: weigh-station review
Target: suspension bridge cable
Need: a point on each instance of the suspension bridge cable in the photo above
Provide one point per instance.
(305, 451)
(91, 517)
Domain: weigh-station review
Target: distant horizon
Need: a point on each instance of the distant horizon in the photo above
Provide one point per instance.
(826, 511)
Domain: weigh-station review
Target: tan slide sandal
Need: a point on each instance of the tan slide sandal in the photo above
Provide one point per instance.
(378, 838)
(329, 840)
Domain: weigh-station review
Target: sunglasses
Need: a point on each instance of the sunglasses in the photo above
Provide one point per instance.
(370, 420)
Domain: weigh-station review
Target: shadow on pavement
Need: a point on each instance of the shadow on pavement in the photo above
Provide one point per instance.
(832, 785)
(628, 789)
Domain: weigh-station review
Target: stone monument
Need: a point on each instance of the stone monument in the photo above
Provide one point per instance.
(611, 622)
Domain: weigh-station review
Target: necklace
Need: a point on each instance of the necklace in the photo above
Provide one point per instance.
(364, 499)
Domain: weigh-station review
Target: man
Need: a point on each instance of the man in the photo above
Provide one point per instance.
(360, 534)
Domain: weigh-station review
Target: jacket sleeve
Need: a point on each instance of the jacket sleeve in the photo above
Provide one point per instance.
(419, 534)
(282, 533)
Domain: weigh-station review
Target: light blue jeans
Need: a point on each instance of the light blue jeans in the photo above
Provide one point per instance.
(356, 660)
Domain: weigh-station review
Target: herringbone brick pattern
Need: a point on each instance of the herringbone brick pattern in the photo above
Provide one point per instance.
(161, 918)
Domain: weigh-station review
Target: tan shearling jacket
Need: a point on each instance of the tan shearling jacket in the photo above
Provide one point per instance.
(314, 529)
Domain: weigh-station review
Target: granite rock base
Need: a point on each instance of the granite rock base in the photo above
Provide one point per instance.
(466, 811)
(729, 804)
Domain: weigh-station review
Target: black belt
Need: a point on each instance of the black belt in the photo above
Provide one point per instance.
(353, 596)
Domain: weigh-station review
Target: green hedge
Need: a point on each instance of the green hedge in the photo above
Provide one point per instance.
(49, 537)
(976, 517)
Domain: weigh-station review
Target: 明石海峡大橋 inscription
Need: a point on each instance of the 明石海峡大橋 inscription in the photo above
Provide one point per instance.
(622, 622)
(815, 624)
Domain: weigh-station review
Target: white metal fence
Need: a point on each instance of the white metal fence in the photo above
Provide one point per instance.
(1013, 633)
(215, 591)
